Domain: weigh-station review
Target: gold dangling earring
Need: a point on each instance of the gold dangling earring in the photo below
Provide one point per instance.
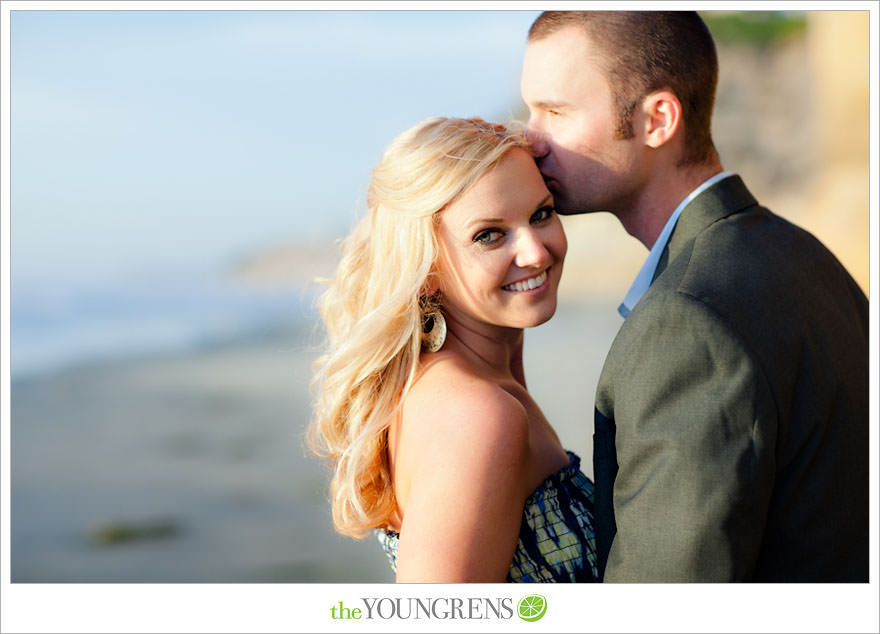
(433, 330)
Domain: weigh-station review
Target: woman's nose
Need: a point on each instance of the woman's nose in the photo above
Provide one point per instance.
(531, 252)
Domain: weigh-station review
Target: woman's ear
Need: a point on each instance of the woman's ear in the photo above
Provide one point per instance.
(661, 112)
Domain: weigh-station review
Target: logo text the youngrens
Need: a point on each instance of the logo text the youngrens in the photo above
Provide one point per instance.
(440, 608)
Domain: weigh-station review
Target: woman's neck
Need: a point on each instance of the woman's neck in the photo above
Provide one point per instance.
(497, 350)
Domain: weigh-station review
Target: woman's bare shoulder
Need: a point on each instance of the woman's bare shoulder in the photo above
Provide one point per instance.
(463, 454)
(449, 397)
(456, 428)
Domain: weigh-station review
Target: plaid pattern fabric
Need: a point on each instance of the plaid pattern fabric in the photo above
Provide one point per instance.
(556, 540)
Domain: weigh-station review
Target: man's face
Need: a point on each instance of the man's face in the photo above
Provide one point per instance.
(572, 126)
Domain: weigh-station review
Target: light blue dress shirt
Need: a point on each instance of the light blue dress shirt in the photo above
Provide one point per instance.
(646, 273)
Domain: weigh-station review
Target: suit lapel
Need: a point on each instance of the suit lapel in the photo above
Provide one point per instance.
(724, 198)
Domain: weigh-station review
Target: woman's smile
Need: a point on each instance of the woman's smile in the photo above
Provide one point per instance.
(530, 284)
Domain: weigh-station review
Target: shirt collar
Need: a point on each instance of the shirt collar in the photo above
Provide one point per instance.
(646, 273)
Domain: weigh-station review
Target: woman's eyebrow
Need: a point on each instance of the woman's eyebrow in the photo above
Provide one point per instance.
(548, 199)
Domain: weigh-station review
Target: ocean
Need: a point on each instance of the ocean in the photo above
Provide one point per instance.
(55, 326)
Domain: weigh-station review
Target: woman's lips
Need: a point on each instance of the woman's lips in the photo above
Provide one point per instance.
(528, 284)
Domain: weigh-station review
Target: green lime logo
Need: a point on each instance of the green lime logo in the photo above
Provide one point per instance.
(532, 607)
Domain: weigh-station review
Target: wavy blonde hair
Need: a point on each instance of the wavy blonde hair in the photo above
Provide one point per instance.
(374, 307)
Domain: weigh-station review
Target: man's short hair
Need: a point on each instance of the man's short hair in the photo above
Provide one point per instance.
(644, 51)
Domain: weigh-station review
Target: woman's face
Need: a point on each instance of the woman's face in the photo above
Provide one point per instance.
(502, 248)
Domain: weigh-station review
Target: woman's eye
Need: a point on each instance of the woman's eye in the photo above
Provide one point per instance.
(542, 214)
(488, 236)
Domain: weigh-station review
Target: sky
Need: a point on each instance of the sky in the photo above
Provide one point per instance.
(152, 151)
(155, 142)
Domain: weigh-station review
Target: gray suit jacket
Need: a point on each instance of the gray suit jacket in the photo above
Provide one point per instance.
(731, 423)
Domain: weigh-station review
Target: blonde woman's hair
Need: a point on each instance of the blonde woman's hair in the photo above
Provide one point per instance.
(373, 309)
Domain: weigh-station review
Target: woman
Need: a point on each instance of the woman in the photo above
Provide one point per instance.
(422, 406)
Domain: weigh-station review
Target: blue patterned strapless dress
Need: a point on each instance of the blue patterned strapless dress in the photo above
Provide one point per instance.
(556, 539)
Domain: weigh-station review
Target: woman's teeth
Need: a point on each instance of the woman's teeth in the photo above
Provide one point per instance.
(527, 285)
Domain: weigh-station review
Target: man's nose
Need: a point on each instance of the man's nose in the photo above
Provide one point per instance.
(537, 139)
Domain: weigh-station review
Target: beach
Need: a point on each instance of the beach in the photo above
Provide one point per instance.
(191, 467)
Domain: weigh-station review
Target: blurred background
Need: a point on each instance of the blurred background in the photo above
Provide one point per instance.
(180, 178)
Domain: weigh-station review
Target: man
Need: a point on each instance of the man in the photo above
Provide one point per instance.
(731, 421)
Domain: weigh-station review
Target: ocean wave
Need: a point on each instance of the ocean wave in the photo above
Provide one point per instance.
(57, 327)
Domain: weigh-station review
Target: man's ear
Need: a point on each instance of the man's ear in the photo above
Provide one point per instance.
(662, 117)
